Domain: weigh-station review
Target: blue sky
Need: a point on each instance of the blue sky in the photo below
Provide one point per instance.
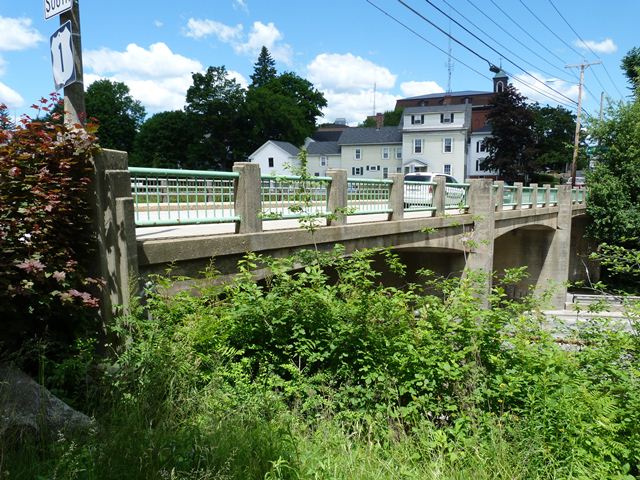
(343, 46)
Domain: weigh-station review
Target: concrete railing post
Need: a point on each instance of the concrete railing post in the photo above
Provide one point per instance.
(518, 186)
(555, 268)
(396, 196)
(248, 198)
(115, 227)
(547, 194)
(439, 196)
(479, 242)
(499, 193)
(337, 202)
(534, 195)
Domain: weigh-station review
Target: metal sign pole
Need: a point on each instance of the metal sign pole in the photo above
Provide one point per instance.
(74, 108)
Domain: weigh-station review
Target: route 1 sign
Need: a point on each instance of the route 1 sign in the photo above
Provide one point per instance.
(56, 7)
(64, 69)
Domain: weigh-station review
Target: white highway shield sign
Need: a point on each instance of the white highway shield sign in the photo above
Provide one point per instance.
(56, 7)
(64, 69)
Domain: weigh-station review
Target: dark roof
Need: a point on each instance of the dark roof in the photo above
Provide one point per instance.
(369, 136)
(287, 147)
(484, 129)
(327, 135)
(323, 148)
(463, 93)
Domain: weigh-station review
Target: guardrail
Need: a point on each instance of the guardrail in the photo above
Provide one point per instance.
(183, 197)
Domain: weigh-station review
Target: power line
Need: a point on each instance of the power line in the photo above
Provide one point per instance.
(587, 45)
(424, 39)
(521, 28)
(483, 42)
(504, 46)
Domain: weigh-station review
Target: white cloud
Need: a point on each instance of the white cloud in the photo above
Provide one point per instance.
(3, 65)
(18, 34)
(158, 23)
(414, 89)
(156, 76)
(525, 85)
(238, 77)
(260, 35)
(269, 36)
(156, 62)
(197, 28)
(355, 107)
(241, 5)
(347, 72)
(10, 97)
(605, 46)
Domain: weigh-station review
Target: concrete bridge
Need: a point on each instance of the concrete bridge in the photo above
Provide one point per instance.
(156, 218)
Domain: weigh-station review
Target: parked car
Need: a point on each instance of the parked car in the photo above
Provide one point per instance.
(417, 195)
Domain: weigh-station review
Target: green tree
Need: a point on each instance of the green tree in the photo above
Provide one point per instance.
(614, 183)
(631, 67)
(511, 148)
(165, 141)
(264, 69)
(285, 108)
(217, 103)
(391, 119)
(117, 112)
(554, 130)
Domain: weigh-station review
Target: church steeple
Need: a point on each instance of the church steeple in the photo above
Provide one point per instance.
(500, 81)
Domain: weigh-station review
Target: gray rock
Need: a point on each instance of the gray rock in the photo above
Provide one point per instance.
(27, 409)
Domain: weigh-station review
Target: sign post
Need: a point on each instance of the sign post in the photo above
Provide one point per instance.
(66, 58)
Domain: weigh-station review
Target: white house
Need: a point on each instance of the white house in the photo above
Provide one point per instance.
(434, 138)
(322, 156)
(371, 152)
(276, 157)
(477, 153)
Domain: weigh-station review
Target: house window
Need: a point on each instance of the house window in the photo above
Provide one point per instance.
(356, 171)
(480, 146)
(358, 154)
(316, 174)
(417, 119)
(398, 169)
(477, 165)
(270, 162)
(447, 145)
(447, 169)
(417, 145)
(323, 161)
(385, 153)
(399, 153)
(500, 87)
(446, 117)
(385, 172)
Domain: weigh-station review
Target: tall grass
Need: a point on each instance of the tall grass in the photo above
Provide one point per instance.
(304, 377)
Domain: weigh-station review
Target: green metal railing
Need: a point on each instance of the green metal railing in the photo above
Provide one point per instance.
(509, 196)
(541, 196)
(527, 193)
(456, 196)
(578, 195)
(293, 196)
(182, 197)
(418, 196)
(553, 196)
(367, 196)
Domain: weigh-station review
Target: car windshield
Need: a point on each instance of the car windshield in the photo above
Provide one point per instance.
(417, 178)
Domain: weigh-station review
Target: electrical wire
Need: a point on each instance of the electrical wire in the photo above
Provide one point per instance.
(483, 42)
(587, 45)
(536, 67)
(427, 41)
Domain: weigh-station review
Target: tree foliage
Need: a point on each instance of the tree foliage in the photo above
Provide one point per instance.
(631, 67)
(391, 118)
(511, 148)
(554, 130)
(614, 183)
(165, 141)
(217, 103)
(118, 113)
(264, 69)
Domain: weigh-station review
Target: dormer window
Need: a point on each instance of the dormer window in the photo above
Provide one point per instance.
(446, 117)
(417, 119)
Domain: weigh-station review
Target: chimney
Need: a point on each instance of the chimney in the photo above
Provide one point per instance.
(379, 120)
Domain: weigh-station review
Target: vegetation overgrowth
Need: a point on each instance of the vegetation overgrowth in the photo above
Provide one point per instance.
(325, 373)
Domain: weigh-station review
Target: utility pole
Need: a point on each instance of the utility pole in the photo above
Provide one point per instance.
(74, 107)
(576, 139)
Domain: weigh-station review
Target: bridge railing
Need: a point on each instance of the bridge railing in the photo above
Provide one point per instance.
(182, 197)
(293, 196)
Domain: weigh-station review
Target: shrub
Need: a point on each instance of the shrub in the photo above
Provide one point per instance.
(46, 237)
